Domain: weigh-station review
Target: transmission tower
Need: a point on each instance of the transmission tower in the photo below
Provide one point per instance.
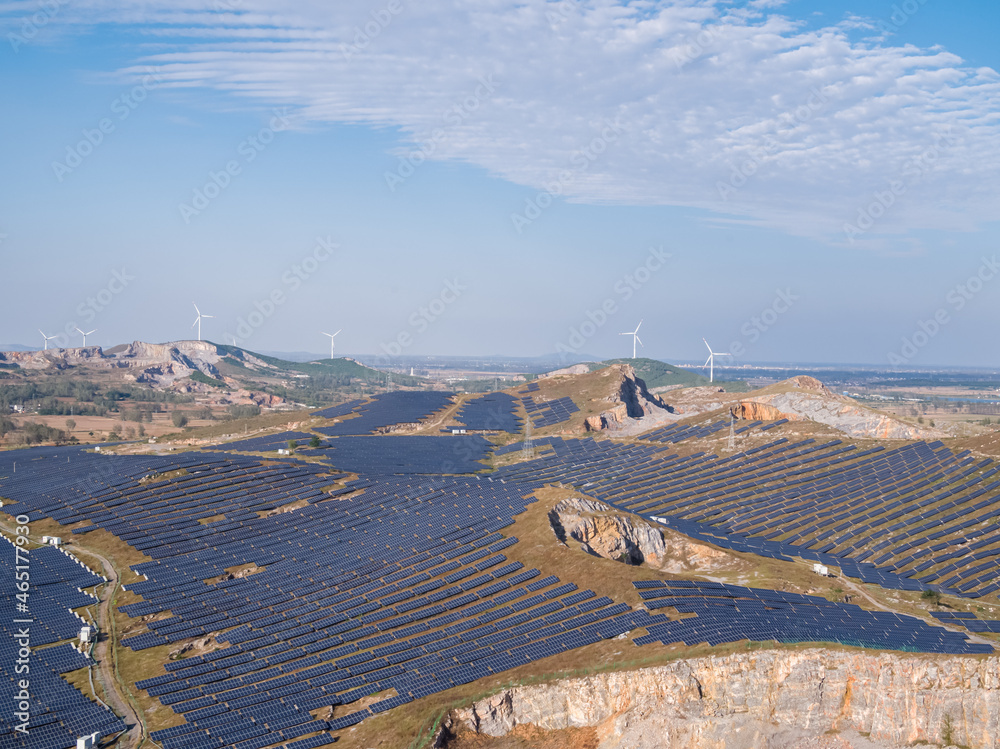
(528, 448)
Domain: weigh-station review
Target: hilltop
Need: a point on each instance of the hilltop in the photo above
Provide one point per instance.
(660, 376)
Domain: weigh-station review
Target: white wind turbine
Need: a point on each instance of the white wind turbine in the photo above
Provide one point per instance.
(331, 337)
(198, 319)
(710, 361)
(635, 337)
(85, 335)
(46, 338)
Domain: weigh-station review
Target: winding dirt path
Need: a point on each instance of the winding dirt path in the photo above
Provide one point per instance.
(927, 620)
(104, 654)
(115, 692)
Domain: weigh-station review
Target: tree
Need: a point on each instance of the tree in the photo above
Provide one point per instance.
(314, 441)
(179, 419)
(70, 424)
(947, 730)
(932, 596)
(293, 444)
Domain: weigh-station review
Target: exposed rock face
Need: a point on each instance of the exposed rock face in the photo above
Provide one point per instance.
(610, 419)
(806, 398)
(576, 369)
(156, 362)
(848, 417)
(603, 532)
(763, 700)
(633, 402)
(752, 411)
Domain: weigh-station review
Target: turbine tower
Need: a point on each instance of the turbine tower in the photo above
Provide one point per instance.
(710, 361)
(635, 337)
(198, 319)
(46, 338)
(331, 337)
(85, 335)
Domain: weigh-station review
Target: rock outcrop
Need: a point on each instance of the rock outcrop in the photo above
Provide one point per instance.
(603, 532)
(753, 411)
(575, 369)
(806, 398)
(762, 700)
(632, 402)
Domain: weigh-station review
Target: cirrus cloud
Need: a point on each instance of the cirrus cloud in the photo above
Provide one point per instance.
(739, 111)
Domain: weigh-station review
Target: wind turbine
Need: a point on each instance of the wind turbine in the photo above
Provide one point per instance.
(46, 338)
(635, 337)
(710, 361)
(85, 335)
(331, 337)
(198, 319)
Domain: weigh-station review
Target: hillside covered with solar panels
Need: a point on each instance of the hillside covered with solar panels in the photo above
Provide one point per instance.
(369, 571)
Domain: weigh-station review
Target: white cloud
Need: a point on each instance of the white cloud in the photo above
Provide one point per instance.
(739, 111)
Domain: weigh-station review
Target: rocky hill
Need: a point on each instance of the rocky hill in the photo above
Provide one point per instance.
(802, 398)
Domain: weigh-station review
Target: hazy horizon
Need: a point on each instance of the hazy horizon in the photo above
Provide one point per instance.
(795, 182)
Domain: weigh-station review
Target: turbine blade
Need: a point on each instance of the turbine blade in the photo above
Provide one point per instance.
(639, 340)
(638, 326)
(707, 361)
(196, 309)
(336, 334)
(196, 321)
(707, 346)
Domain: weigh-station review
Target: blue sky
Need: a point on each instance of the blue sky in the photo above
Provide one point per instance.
(789, 180)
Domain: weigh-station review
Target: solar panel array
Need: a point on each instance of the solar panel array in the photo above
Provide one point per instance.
(729, 613)
(967, 620)
(338, 411)
(399, 580)
(493, 412)
(675, 433)
(397, 407)
(910, 518)
(268, 442)
(58, 712)
(408, 454)
(549, 413)
(404, 586)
